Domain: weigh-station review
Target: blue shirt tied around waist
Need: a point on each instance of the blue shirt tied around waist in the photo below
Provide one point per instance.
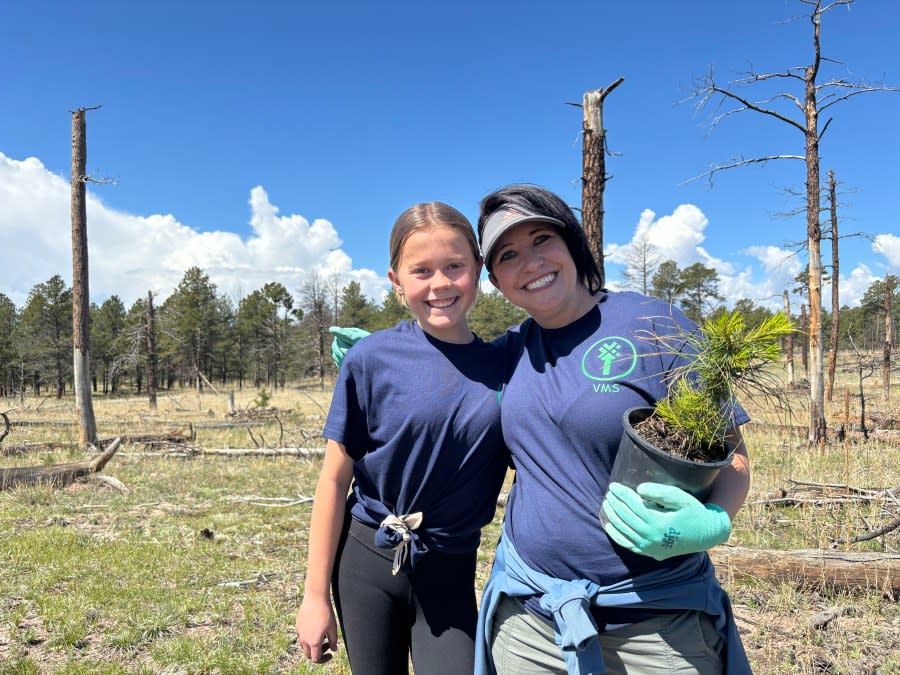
(690, 586)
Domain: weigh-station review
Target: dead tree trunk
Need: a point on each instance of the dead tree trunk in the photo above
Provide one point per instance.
(151, 351)
(804, 332)
(593, 174)
(812, 567)
(815, 99)
(81, 361)
(813, 243)
(789, 343)
(835, 284)
(888, 338)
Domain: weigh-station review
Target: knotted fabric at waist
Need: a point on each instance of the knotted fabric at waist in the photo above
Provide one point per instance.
(396, 532)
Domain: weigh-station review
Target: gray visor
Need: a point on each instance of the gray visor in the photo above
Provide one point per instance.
(504, 219)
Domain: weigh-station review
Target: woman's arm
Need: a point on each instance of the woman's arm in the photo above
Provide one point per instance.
(316, 625)
(733, 482)
(662, 521)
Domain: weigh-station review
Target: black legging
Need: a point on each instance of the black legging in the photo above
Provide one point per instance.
(429, 612)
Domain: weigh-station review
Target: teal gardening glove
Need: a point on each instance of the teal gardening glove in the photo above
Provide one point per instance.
(344, 338)
(662, 521)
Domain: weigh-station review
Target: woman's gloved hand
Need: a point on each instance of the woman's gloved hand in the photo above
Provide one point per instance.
(662, 521)
(344, 338)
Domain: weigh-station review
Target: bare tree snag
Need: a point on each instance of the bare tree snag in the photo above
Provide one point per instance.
(816, 98)
(813, 248)
(81, 304)
(811, 567)
(593, 176)
(888, 338)
(57, 475)
(789, 343)
(150, 329)
(805, 339)
(835, 286)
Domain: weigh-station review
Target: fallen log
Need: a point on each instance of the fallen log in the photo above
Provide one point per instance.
(191, 451)
(177, 436)
(816, 568)
(831, 434)
(58, 475)
(260, 452)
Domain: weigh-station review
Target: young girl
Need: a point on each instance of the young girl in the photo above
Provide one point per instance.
(415, 425)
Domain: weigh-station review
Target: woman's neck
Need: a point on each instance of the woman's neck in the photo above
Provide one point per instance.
(580, 305)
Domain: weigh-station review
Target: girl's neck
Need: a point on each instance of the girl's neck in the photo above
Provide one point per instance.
(457, 335)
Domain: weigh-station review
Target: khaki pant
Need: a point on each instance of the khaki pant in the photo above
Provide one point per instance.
(685, 643)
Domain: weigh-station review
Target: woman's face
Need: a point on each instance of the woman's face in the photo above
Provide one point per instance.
(437, 276)
(533, 268)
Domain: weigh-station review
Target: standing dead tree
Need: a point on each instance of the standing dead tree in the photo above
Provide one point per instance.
(814, 99)
(888, 337)
(81, 304)
(789, 343)
(865, 368)
(835, 283)
(805, 323)
(641, 262)
(593, 172)
(150, 334)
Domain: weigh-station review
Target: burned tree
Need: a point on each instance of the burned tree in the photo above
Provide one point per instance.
(81, 359)
(835, 283)
(150, 334)
(789, 343)
(593, 173)
(888, 337)
(801, 110)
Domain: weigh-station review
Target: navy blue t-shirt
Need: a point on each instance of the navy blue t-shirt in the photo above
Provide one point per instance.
(421, 419)
(562, 421)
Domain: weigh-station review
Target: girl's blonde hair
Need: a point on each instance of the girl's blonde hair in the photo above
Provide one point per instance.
(426, 215)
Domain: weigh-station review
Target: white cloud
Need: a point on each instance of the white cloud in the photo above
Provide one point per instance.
(131, 254)
(851, 289)
(888, 245)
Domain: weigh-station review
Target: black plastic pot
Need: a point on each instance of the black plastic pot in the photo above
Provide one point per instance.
(638, 461)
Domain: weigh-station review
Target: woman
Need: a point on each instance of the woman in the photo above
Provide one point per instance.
(415, 424)
(564, 595)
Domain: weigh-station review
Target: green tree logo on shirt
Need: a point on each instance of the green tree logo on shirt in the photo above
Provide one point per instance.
(611, 358)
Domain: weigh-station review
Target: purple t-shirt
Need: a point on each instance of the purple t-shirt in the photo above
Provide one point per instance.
(562, 420)
(421, 419)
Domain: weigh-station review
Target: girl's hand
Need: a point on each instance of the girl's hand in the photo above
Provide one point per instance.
(316, 630)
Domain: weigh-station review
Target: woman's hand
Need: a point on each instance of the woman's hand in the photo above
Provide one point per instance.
(344, 338)
(662, 521)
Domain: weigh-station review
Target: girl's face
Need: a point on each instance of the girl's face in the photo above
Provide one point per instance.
(533, 268)
(437, 276)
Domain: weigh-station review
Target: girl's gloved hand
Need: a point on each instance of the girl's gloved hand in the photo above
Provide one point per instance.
(662, 521)
(344, 338)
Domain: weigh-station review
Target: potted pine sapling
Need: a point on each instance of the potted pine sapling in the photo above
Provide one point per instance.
(681, 440)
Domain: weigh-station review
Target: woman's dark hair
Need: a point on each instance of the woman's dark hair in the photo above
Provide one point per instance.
(541, 201)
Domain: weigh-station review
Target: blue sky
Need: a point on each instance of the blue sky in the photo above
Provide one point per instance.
(261, 141)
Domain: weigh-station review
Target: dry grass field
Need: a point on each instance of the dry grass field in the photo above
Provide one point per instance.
(194, 563)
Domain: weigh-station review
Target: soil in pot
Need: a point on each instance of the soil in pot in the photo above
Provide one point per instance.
(676, 442)
(640, 461)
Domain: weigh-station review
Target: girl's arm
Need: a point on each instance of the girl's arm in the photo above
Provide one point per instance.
(316, 624)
